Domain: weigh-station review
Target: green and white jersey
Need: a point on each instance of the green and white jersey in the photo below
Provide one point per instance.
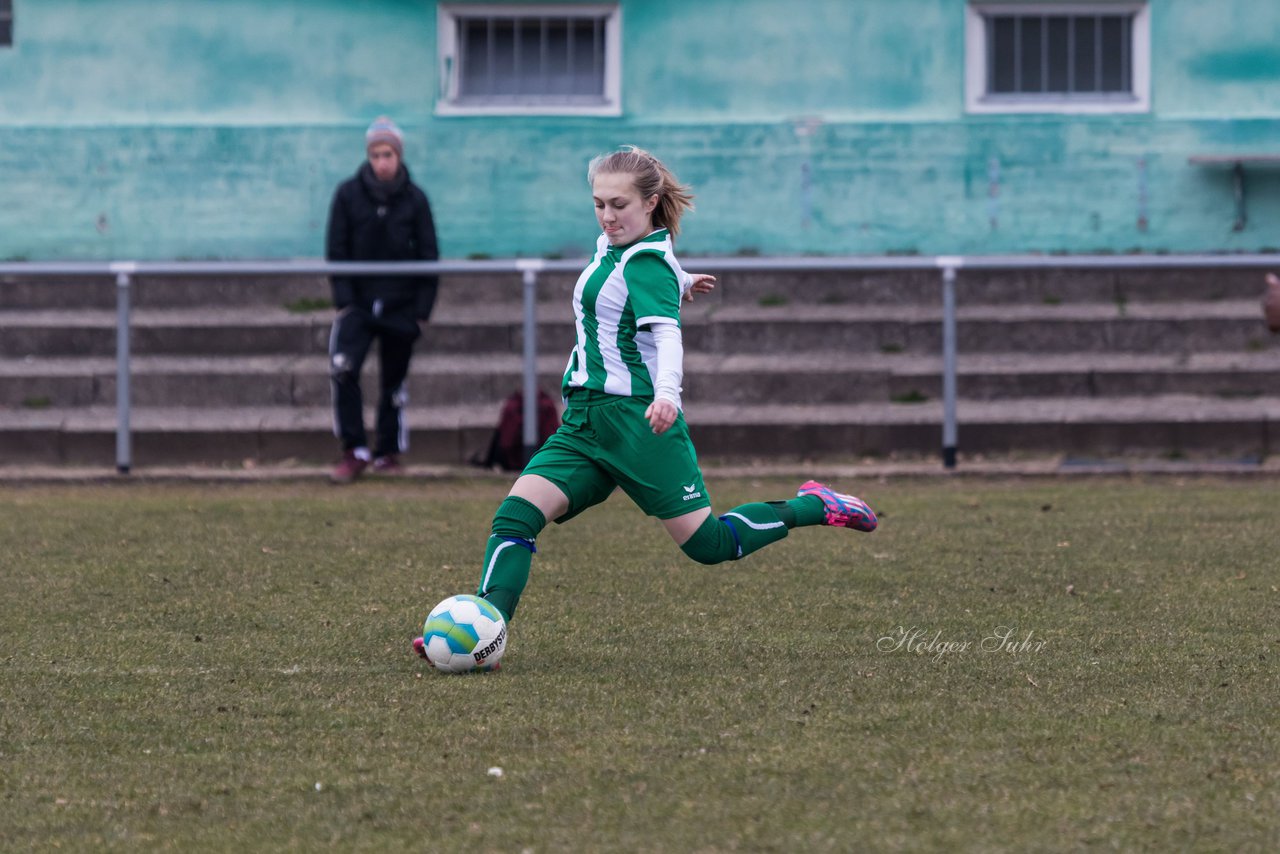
(622, 292)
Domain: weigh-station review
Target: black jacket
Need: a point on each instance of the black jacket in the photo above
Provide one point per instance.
(375, 221)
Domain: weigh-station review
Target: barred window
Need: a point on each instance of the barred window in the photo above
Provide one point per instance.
(507, 58)
(1070, 57)
(6, 23)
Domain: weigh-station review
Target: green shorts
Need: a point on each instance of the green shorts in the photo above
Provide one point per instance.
(604, 441)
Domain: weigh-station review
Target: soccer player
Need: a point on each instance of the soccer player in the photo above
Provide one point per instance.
(623, 425)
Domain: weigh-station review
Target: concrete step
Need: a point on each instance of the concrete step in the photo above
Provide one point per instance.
(820, 378)
(227, 331)
(1167, 425)
(276, 292)
(865, 288)
(1164, 425)
(919, 287)
(267, 380)
(18, 292)
(1046, 287)
(1185, 327)
(786, 378)
(224, 436)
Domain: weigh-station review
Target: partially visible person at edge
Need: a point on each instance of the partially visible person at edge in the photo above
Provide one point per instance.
(1271, 302)
(379, 214)
(623, 425)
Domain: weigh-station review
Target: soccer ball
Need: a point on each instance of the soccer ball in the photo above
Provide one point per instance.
(464, 633)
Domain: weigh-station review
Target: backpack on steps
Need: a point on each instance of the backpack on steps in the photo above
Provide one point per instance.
(506, 448)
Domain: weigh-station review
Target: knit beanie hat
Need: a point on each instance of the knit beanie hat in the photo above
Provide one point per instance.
(383, 130)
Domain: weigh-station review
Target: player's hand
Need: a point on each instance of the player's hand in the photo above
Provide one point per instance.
(661, 414)
(702, 284)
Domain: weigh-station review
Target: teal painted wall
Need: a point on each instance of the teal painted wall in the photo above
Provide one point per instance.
(192, 129)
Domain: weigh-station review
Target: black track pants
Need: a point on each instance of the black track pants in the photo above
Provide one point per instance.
(354, 331)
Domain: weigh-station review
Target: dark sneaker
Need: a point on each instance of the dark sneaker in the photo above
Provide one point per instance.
(843, 511)
(390, 464)
(350, 468)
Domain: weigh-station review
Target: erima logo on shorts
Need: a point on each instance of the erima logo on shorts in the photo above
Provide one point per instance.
(689, 493)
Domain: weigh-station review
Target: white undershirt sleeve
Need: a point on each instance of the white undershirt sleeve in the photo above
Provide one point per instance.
(686, 282)
(669, 345)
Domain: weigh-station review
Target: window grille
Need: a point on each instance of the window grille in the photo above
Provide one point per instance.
(1072, 57)
(509, 58)
(1062, 54)
(6, 23)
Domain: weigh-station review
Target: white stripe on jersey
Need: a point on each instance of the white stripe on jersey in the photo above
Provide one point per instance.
(578, 355)
(610, 303)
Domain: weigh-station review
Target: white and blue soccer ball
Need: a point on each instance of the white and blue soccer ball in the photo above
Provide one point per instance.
(464, 633)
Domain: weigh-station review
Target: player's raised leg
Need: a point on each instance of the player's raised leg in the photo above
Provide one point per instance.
(750, 527)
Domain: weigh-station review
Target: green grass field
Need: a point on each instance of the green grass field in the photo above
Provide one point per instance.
(1003, 666)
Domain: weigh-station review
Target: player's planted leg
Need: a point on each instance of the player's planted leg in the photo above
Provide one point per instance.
(507, 558)
(509, 553)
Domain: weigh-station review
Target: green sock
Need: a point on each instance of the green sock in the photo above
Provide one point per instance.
(740, 532)
(509, 554)
(801, 512)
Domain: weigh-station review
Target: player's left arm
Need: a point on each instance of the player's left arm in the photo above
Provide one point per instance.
(697, 283)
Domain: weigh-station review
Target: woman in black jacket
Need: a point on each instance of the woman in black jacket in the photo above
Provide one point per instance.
(378, 214)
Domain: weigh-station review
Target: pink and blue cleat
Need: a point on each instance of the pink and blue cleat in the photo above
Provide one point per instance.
(842, 511)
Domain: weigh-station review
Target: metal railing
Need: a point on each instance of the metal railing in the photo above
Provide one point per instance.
(530, 268)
